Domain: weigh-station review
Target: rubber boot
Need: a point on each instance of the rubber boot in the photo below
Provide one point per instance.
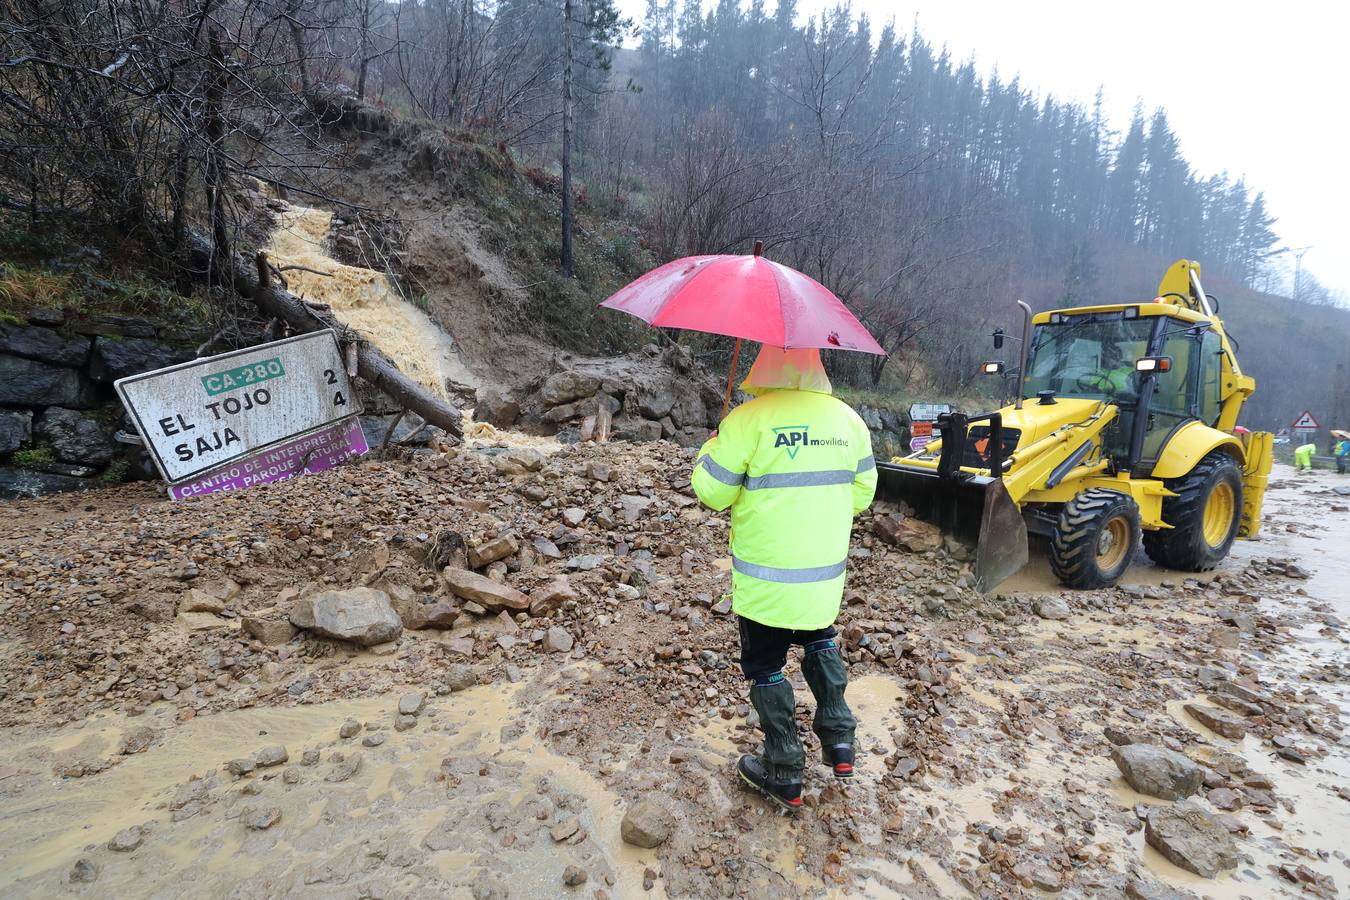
(786, 792)
(834, 722)
(778, 773)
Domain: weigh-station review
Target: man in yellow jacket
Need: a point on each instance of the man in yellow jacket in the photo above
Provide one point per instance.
(795, 466)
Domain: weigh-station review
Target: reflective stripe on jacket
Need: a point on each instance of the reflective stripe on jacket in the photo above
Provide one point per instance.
(795, 467)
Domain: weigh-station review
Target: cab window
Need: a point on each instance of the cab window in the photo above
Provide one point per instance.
(1211, 379)
(1178, 394)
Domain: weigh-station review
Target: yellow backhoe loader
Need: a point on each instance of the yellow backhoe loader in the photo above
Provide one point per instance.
(1125, 420)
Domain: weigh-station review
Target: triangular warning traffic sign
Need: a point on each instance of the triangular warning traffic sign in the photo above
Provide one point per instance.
(1306, 420)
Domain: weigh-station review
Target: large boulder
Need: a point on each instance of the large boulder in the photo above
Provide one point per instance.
(1157, 771)
(871, 417)
(546, 600)
(646, 824)
(636, 430)
(656, 398)
(28, 382)
(520, 461)
(568, 412)
(1218, 721)
(268, 631)
(1055, 608)
(418, 616)
(44, 344)
(493, 408)
(913, 535)
(566, 386)
(77, 437)
(484, 591)
(118, 357)
(692, 437)
(493, 550)
(891, 421)
(360, 615)
(16, 429)
(1191, 838)
(688, 409)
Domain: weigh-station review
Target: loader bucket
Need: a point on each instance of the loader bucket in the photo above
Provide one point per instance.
(976, 510)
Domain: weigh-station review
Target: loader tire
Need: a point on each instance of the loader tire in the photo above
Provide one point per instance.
(1204, 515)
(1097, 535)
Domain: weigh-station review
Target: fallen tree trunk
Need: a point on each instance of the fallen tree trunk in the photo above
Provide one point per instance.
(371, 363)
(276, 302)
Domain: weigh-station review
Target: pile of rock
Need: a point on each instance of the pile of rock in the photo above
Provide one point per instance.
(652, 395)
(58, 411)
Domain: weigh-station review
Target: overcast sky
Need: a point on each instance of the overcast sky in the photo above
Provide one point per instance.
(1255, 88)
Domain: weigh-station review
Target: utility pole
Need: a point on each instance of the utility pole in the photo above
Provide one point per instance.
(566, 261)
(1298, 270)
(1340, 402)
(1298, 266)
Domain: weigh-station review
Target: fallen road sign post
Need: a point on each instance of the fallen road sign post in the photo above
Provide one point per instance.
(198, 417)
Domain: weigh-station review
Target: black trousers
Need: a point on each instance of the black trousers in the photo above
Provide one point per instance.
(763, 654)
(764, 648)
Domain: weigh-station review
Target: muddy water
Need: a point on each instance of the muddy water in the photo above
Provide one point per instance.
(886, 867)
(468, 796)
(363, 299)
(482, 434)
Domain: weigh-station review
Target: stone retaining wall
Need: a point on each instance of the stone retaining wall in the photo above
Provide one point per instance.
(58, 410)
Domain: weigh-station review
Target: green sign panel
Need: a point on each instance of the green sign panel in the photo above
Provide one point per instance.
(242, 376)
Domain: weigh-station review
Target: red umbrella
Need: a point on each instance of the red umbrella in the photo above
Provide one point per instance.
(745, 297)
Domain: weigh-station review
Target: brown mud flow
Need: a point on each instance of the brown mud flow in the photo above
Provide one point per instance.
(135, 732)
(361, 298)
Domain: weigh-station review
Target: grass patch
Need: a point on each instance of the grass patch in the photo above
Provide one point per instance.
(53, 267)
(25, 288)
(38, 456)
(116, 473)
(91, 293)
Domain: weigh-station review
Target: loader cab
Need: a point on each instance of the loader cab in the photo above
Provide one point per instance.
(1093, 355)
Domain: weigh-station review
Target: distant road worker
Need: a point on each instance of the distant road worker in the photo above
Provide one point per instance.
(1342, 450)
(1303, 457)
(795, 466)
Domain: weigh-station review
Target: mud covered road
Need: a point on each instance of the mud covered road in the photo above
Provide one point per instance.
(153, 751)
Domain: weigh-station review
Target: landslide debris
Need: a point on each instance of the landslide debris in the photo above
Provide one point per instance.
(985, 756)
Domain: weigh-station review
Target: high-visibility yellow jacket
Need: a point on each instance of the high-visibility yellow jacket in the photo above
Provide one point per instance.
(795, 467)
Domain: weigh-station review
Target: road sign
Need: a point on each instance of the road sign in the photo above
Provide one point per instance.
(200, 415)
(918, 443)
(314, 452)
(921, 429)
(927, 412)
(1306, 423)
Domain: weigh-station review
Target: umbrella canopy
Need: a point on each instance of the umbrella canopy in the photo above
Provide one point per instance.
(1343, 435)
(746, 297)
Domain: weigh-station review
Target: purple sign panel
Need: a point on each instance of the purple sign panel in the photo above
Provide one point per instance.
(306, 454)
